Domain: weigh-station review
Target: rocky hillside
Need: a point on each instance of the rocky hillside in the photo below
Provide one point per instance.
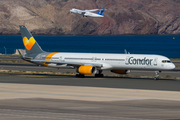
(121, 17)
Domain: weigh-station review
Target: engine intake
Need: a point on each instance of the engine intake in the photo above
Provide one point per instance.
(87, 70)
(121, 71)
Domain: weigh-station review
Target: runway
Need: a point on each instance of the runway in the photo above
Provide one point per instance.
(65, 97)
(52, 109)
(90, 81)
(36, 102)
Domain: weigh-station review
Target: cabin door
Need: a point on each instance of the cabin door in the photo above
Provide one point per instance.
(155, 61)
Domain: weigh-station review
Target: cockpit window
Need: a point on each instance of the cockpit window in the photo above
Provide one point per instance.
(166, 61)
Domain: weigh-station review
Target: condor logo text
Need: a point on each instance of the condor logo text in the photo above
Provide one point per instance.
(144, 61)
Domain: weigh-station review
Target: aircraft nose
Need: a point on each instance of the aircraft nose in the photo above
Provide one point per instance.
(172, 66)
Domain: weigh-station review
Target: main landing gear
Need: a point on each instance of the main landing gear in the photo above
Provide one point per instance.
(99, 74)
(157, 74)
(96, 75)
(80, 75)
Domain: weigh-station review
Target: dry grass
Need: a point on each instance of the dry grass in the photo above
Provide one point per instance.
(175, 59)
(13, 61)
(36, 72)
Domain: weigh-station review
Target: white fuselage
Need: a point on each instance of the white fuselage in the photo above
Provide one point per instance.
(86, 13)
(116, 61)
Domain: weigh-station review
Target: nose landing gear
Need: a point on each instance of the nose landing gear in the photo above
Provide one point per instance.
(156, 75)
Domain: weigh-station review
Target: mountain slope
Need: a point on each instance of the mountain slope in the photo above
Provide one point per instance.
(121, 17)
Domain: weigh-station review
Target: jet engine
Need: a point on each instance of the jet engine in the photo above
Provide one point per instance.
(121, 71)
(87, 70)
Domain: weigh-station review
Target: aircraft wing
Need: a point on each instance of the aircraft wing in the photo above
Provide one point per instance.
(69, 63)
(82, 13)
(92, 10)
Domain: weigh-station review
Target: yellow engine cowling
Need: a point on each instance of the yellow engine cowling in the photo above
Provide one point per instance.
(121, 71)
(87, 70)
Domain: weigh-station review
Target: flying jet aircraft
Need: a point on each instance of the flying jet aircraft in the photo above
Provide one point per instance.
(92, 63)
(89, 13)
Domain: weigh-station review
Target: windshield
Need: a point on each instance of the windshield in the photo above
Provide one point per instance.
(166, 61)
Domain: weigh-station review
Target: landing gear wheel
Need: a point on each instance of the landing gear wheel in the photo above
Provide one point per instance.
(77, 75)
(99, 75)
(80, 75)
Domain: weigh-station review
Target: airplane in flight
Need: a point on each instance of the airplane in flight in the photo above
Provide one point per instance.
(88, 13)
(92, 63)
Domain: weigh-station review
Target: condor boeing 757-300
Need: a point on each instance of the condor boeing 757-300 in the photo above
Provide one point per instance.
(92, 63)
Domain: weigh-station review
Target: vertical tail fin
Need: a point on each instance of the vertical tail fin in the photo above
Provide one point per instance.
(29, 42)
(101, 12)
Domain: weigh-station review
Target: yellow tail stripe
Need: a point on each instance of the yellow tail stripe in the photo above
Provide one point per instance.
(48, 58)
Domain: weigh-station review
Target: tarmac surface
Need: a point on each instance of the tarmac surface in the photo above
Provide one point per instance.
(36, 102)
(65, 97)
(91, 81)
(57, 109)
